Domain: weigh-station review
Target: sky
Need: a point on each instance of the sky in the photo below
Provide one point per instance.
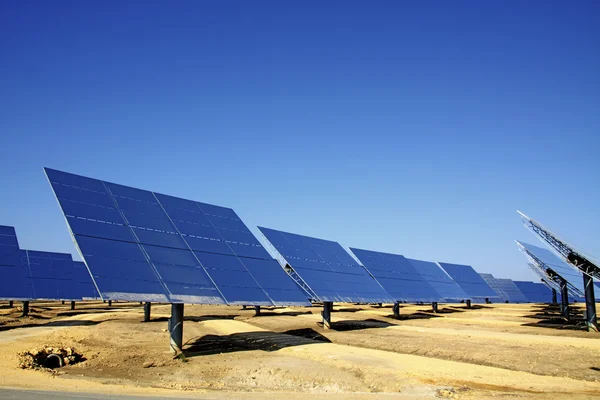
(411, 127)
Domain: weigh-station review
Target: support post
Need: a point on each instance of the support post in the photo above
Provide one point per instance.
(434, 307)
(176, 328)
(10, 304)
(72, 305)
(564, 300)
(554, 298)
(327, 309)
(468, 303)
(110, 303)
(243, 307)
(590, 303)
(256, 311)
(396, 309)
(147, 306)
(63, 302)
(25, 309)
(380, 305)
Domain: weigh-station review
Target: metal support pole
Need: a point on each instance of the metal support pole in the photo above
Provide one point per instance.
(25, 309)
(380, 305)
(243, 307)
(10, 304)
(72, 305)
(147, 306)
(554, 296)
(176, 328)
(564, 300)
(63, 302)
(468, 303)
(396, 310)
(327, 309)
(590, 303)
(110, 303)
(257, 310)
(434, 306)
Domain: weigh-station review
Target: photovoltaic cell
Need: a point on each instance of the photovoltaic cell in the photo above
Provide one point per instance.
(145, 246)
(535, 292)
(506, 289)
(470, 281)
(440, 280)
(398, 276)
(327, 269)
(15, 283)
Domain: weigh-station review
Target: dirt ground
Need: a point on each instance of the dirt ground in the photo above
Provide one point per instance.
(500, 350)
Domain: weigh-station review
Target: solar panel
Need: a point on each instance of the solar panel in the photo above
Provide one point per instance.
(14, 275)
(441, 282)
(326, 270)
(471, 282)
(545, 259)
(51, 275)
(535, 292)
(145, 246)
(505, 288)
(397, 276)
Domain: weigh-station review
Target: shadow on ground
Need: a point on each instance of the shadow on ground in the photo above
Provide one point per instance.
(247, 341)
(53, 324)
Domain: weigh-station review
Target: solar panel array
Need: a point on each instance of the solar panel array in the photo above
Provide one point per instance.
(398, 276)
(535, 292)
(441, 282)
(506, 289)
(571, 274)
(145, 246)
(15, 283)
(470, 281)
(326, 269)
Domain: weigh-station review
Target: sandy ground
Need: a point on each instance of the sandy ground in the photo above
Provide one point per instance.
(504, 350)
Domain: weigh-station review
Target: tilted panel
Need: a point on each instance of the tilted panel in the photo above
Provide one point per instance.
(52, 275)
(440, 280)
(535, 292)
(397, 276)
(513, 292)
(15, 283)
(327, 269)
(565, 271)
(85, 286)
(470, 281)
(144, 246)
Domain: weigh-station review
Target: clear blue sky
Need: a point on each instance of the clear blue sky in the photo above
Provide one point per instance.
(410, 127)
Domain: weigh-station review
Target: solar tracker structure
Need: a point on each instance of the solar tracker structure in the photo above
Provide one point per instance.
(554, 268)
(398, 276)
(440, 280)
(470, 281)
(145, 246)
(15, 283)
(506, 289)
(535, 292)
(326, 271)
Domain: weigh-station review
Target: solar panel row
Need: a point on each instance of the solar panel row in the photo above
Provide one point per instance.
(506, 289)
(28, 275)
(471, 282)
(327, 269)
(441, 282)
(145, 246)
(534, 292)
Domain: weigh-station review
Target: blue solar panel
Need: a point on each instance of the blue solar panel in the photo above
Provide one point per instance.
(535, 292)
(398, 276)
(14, 275)
(506, 289)
(327, 269)
(144, 246)
(441, 282)
(51, 275)
(549, 260)
(470, 282)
